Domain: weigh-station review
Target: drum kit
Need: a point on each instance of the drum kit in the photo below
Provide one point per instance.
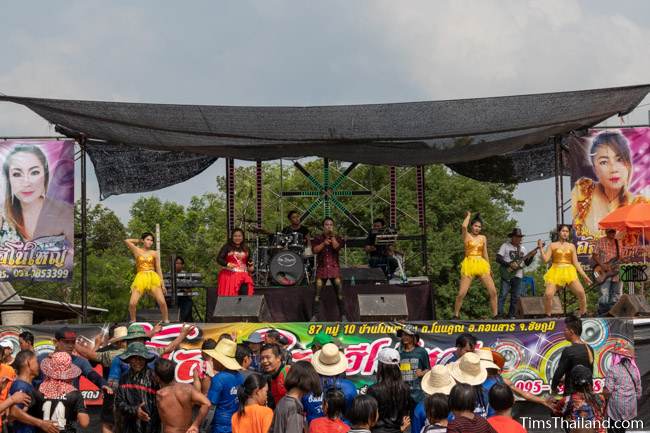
(282, 258)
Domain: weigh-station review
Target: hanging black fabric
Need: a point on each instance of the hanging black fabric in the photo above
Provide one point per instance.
(492, 139)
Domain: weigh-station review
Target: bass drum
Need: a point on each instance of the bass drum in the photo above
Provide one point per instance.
(287, 268)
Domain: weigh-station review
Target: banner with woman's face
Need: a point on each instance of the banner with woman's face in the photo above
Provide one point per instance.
(36, 210)
(609, 169)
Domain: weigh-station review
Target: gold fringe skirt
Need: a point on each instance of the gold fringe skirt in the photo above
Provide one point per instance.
(146, 281)
(474, 266)
(561, 274)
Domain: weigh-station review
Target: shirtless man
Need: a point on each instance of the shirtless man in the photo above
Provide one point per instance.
(175, 401)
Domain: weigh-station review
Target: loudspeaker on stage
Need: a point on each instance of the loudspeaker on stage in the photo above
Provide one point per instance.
(630, 306)
(533, 306)
(377, 308)
(241, 309)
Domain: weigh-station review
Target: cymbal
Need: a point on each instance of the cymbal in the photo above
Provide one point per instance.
(258, 230)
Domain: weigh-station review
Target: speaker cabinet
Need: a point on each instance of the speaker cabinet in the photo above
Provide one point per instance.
(630, 306)
(241, 309)
(533, 306)
(377, 308)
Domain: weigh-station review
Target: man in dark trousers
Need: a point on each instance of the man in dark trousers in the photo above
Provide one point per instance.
(578, 353)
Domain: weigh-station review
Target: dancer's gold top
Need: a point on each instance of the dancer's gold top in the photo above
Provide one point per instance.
(474, 247)
(144, 263)
(562, 256)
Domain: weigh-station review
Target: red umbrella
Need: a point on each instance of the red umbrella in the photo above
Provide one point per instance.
(632, 216)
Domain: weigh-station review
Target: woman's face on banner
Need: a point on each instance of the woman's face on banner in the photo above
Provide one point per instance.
(26, 177)
(610, 168)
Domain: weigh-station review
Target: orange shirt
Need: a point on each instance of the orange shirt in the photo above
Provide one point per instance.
(6, 371)
(256, 419)
(504, 424)
(326, 425)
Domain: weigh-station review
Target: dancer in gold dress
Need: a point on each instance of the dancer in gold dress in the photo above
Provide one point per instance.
(475, 264)
(564, 270)
(148, 279)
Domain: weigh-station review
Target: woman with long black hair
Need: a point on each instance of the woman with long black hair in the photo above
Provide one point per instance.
(392, 394)
(252, 416)
(235, 258)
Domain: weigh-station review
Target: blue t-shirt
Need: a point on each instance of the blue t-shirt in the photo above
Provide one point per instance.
(223, 395)
(487, 385)
(34, 408)
(314, 404)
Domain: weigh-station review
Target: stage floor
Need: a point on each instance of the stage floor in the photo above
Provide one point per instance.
(294, 304)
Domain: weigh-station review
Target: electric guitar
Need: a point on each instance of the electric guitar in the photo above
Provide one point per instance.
(510, 271)
(599, 273)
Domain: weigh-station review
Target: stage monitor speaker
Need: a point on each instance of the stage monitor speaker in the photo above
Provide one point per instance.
(363, 275)
(630, 306)
(241, 309)
(533, 306)
(152, 315)
(377, 308)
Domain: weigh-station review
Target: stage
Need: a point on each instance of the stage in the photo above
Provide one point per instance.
(293, 304)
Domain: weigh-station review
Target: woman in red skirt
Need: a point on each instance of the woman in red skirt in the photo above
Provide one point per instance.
(235, 259)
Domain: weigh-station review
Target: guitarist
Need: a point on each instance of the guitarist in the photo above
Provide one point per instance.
(512, 257)
(606, 256)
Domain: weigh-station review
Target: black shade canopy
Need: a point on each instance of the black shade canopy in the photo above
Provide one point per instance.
(502, 139)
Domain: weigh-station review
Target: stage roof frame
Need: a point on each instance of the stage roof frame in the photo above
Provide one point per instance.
(497, 139)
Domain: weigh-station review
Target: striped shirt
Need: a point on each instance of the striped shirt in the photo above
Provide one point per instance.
(624, 384)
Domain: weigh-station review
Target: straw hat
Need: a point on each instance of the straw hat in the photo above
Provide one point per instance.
(437, 380)
(118, 334)
(59, 366)
(468, 369)
(329, 361)
(487, 360)
(225, 354)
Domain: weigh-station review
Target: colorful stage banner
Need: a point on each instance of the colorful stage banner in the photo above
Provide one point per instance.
(609, 169)
(37, 216)
(531, 348)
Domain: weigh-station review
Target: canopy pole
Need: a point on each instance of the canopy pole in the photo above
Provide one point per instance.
(84, 234)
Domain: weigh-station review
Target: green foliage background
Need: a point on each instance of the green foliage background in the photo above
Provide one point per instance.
(197, 231)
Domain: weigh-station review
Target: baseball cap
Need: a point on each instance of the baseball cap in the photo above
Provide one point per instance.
(65, 333)
(6, 344)
(388, 356)
(409, 330)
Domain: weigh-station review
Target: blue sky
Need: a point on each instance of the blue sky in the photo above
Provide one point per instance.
(276, 52)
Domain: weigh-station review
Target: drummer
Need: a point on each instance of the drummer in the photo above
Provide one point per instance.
(296, 227)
